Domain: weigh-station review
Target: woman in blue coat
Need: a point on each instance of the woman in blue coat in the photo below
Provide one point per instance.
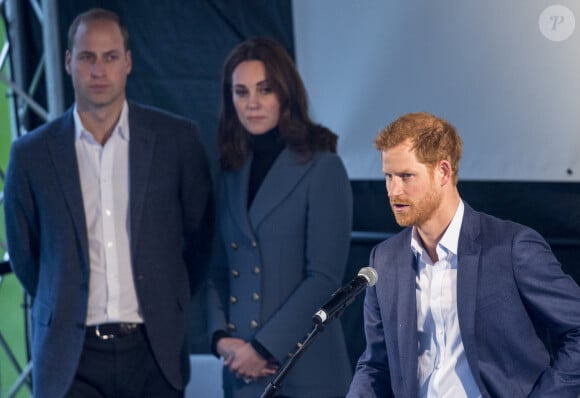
(285, 213)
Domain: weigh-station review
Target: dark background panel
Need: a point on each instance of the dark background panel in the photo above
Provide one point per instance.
(178, 48)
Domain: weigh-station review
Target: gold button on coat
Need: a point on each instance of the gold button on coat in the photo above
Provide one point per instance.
(233, 299)
(254, 324)
(255, 296)
(231, 327)
(235, 273)
(234, 245)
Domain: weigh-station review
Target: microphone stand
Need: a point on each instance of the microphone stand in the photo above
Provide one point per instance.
(276, 383)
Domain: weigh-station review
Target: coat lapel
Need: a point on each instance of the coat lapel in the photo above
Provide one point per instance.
(467, 269)
(141, 144)
(397, 298)
(236, 195)
(284, 175)
(407, 314)
(61, 146)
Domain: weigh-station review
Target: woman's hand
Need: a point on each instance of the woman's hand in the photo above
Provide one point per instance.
(242, 360)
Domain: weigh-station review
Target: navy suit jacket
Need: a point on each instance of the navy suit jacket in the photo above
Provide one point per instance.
(170, 209)
(284, 258)
(510, 292)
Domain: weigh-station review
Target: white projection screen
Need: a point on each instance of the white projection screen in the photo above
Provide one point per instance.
(505, 73)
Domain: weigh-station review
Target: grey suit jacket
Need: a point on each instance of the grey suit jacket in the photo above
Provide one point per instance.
(170, 213)
(510, 292)
(285, 256)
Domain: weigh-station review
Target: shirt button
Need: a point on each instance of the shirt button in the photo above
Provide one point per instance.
(109, 245)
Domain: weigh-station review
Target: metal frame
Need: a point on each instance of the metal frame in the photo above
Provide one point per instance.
(48, 70)
(22, 91)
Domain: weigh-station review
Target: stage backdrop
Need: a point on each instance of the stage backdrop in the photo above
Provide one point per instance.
(504, 73)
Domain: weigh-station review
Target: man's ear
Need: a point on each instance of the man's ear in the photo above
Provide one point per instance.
(129, 62)
(445, 172)
(67, 58)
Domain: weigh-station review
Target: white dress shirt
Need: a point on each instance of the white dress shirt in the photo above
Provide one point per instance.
(104, 175)
(443, 370)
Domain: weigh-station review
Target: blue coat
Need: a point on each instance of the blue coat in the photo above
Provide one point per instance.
(284, 259)
(170, 191)
(510, 291)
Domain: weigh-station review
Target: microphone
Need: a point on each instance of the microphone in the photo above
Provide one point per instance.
(344, 296)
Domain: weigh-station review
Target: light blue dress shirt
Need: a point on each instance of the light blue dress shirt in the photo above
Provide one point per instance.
(104, 175)
(443, 371)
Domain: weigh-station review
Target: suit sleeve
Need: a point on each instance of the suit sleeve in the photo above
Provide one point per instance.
(372, 378)
(197, 201)
(21, 223)
(553, 298)
(218, 282)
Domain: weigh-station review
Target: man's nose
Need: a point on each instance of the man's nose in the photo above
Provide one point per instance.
(394, 187)
(98, 68)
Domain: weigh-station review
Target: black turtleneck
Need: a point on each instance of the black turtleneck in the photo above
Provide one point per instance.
(265, 148)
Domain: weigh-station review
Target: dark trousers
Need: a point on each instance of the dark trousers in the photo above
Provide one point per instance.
(122, 367)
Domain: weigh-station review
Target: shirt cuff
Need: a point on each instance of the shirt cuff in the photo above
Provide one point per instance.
(261, 350)
(214, 340)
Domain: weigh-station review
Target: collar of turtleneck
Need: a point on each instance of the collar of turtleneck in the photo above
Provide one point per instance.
(267, 142)
(265, 148)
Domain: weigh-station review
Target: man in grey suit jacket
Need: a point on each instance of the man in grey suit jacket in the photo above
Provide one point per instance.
(108, 215)
(464, 301)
